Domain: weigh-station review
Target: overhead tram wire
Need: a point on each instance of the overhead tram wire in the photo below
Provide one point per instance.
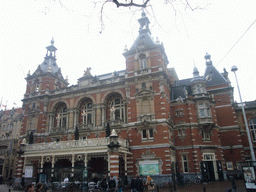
(236, 42)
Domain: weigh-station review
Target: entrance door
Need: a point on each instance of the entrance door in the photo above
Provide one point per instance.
(207, 170)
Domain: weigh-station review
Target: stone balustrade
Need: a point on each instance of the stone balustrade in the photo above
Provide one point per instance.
(86, 143)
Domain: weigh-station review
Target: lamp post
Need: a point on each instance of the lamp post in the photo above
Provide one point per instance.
(234, 69)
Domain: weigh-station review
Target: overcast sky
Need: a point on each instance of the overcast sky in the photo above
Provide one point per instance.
(28, 26)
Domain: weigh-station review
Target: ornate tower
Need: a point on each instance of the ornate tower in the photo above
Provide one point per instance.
(46, 80)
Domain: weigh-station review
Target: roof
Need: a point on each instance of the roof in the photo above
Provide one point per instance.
(212, 75)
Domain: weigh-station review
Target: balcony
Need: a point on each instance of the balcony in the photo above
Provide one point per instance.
(87, 144)
(205, 120)
(146, 117)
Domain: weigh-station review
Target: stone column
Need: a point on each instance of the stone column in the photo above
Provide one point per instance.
(53, 162)
(42, 163)
(51, 121)
(85, 164)
(73, 165)
(114, 164)
(125, 163)
(76, 116)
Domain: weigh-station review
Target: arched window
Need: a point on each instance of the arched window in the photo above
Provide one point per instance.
(143, 61)
(252, 125)
(87, 113)
(117, 109)
(62, 117)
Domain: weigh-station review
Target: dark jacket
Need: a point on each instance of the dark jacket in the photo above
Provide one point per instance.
(112, 184)
(133, 183)
(120, 183)
(103, 183)
(139, 184)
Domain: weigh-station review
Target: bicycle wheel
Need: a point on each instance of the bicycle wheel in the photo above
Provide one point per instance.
(197, 180)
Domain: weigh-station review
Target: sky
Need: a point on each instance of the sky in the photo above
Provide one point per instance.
(86, 37)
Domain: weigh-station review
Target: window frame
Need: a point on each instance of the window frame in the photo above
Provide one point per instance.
(252, 126)
(185, 163)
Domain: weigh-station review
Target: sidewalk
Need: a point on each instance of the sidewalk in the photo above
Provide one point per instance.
(209, 187)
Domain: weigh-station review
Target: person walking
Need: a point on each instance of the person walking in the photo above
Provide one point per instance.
(120, 184)
(133, 189)
(103, 183)
(150, 184)
(139, 184)
(112, 184)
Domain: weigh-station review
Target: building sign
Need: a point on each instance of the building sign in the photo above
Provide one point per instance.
(149, 167)
(28, 171)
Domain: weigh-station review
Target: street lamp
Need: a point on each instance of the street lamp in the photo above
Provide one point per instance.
(234, 69)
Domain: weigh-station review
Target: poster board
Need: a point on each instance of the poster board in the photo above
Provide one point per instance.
(249, 177)
(28, 171)
(149, 167)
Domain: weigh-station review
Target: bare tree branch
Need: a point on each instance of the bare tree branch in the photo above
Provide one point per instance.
(130, 4)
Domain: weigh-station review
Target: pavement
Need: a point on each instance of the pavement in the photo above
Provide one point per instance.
(209, 187)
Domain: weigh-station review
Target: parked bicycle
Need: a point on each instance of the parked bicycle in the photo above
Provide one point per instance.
(197, 180)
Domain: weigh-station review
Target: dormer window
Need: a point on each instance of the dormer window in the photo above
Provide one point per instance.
(143, 62)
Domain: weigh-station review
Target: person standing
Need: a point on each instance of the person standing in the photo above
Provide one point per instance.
(112, 184)
(150, 184)
(30, 188)
(39, 187)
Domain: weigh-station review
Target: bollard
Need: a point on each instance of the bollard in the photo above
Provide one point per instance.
(157, 188)
(171, 189)
(204, 189)
(9, 190)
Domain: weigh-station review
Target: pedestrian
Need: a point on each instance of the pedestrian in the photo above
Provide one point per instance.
(71, 188)
(112, 184)
(133, 189)
(39, 187)
(150, 184)
(139, 184)
(103, 183)
(30, 188)
(120, 184)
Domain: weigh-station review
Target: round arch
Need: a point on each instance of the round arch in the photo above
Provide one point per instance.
(56, 104)
(108, 94)
(81, 99)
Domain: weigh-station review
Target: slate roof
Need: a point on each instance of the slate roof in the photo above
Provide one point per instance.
(212, 75)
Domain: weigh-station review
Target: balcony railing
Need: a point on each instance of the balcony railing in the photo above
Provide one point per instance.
(147, 117)
(85, 143)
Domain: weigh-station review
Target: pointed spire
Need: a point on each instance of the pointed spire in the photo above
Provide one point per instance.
(195, 72)
(52, 41)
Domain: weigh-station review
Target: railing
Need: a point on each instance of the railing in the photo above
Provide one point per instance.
(143, 118)
(85, 126)
(86, 143)
(58, 129)
(116, 122)
(205, 120)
